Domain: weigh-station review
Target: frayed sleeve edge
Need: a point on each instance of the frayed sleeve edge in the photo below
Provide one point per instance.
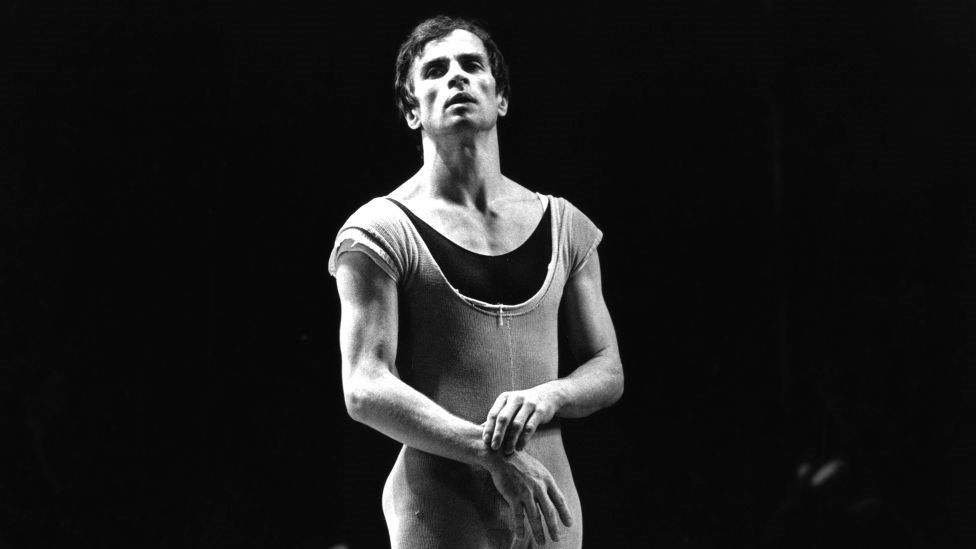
(354, 239)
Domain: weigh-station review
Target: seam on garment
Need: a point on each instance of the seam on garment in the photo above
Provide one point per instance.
(586, 256)
(378, 240)
(357, 243)
(511, 353)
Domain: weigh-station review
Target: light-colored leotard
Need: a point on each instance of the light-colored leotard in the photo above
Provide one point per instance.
(462, 353)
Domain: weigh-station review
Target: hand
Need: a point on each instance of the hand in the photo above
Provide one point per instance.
(515, 417)
(530, 491)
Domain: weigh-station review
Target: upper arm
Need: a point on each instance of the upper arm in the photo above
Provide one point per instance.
(585, 314)
(368, 328)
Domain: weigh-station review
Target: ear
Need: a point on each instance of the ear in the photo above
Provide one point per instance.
(413, 120)
(502, 105)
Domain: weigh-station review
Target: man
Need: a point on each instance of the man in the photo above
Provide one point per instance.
(449, 317)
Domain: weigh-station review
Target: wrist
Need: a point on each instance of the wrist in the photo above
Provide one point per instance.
(478, 453)
(555, 395)
(488, 459)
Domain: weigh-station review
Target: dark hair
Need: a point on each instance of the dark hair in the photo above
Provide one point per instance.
(436, 28)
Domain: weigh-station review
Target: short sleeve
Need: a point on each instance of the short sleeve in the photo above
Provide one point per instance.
(376, 230)
(583, 237)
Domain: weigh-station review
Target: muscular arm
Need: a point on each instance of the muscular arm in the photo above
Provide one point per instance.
(596, 383)
(376, 396)
(374, 393)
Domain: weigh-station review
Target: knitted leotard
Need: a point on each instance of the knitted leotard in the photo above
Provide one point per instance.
(462, 353)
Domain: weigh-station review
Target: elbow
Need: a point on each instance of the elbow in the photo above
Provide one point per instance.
(363, 388)
(616, 385)
(620, 387)
(358, 402)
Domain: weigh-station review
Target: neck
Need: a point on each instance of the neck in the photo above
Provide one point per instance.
(463, 169)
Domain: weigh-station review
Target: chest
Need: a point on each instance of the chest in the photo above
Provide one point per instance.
(495, 232)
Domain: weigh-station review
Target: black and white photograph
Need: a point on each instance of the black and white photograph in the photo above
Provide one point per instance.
(357, 275)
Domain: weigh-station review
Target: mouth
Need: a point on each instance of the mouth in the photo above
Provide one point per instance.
(458, 99)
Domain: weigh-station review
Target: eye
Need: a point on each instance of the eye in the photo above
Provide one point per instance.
(434, 71)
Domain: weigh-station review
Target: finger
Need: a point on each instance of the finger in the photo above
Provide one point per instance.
(559, 502)
(535, 521)
(527, 431)
(489, 425)
(516, 542)
(548, 511)
(518, 522)
(508, 412)
(515, 429)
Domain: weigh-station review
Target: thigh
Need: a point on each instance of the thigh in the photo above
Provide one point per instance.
(431, 503)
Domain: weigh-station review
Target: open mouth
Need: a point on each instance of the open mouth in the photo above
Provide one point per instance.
(458, 99)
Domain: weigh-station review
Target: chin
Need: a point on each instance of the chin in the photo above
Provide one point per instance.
(459, 126)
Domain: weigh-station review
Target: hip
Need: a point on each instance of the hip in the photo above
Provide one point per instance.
(451, 504)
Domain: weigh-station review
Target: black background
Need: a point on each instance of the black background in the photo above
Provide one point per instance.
(786, 192)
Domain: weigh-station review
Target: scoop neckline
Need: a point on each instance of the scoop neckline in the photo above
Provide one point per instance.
(545, 207)
(501, 310)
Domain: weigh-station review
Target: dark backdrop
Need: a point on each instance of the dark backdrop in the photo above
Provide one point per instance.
(786, 192)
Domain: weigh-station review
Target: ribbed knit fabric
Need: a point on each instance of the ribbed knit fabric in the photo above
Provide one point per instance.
(462, 353)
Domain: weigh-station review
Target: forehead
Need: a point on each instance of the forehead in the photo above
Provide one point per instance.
(456, 43)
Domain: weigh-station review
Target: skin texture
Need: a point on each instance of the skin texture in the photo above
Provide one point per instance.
(461, 192)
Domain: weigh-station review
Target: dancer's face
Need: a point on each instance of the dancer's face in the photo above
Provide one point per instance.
(454, 88)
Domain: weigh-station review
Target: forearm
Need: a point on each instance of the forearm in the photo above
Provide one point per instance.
(384, 402)
(599, 381)
(595, 384)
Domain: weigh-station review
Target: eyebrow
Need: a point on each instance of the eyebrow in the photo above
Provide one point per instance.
(462, 57)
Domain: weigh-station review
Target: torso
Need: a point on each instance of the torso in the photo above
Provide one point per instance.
(462, 353)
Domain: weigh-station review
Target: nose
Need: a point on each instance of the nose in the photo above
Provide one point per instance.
(458, 78)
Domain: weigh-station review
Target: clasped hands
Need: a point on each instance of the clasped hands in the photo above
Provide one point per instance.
(515, 417)
(525, 483)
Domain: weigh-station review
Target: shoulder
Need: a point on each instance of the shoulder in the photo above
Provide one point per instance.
(379, 229)
(579, 235)
(377, 211)
(569, 212)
